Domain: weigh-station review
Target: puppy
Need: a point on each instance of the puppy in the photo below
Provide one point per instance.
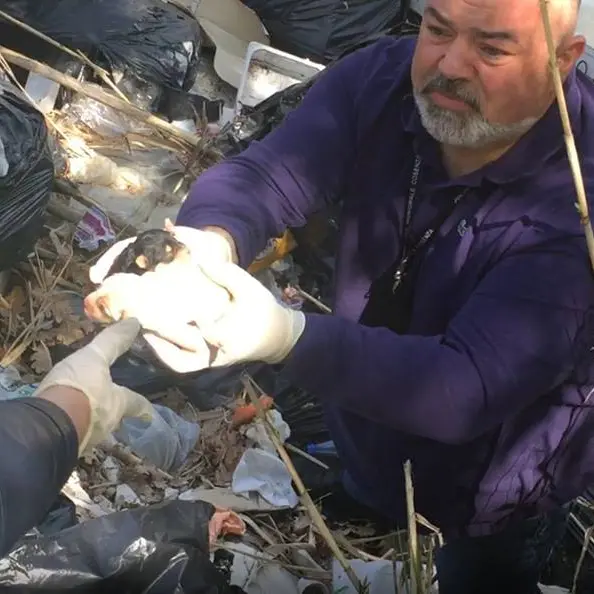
(122, 289)
(150, 249)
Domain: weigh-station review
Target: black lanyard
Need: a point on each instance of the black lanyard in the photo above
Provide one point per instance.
(408, 254)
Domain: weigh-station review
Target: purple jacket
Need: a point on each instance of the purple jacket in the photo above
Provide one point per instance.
(487, 393)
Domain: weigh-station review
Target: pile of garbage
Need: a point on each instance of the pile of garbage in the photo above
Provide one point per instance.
(200, 499)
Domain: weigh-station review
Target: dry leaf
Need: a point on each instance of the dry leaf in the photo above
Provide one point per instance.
(17, 299)
(41, 360)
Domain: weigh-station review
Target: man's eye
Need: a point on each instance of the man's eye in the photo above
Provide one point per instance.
(493, 52)
(437, 31)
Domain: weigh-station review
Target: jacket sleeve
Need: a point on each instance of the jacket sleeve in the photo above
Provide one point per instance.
(520, 334)
(294, 171)
(39, 449)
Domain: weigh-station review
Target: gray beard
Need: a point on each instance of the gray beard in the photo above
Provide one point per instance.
(469, 129)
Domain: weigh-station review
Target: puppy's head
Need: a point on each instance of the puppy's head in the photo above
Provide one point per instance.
(151, 248)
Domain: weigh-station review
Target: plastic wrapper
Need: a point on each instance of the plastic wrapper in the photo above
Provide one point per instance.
(148, 46)
(166, 441)
(322, 30)
(162, 549)
(26, 174)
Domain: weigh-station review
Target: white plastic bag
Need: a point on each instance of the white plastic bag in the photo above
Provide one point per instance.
(166, 441)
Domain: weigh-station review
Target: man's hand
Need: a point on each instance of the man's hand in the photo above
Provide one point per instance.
(87, 371)
(210, 246)
(253, 327)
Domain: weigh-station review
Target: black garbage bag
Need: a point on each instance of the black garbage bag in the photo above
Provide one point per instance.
(322, 30)
(61, 515)
(147, 45)
(26, 174)
(161, 549)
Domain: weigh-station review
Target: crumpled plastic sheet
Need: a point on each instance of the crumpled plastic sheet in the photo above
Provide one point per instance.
(161, 549)
(26, 174)
(165, 441)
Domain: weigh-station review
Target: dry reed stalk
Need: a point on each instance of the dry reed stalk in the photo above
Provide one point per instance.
(413, 537)
(17, 59)
(572, 154)
(252, 390)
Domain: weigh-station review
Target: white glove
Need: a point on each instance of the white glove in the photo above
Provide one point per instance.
(253, 327)
(204, 247)
(87, 370)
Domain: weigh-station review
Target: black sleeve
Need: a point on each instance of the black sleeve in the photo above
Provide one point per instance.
(38, 452)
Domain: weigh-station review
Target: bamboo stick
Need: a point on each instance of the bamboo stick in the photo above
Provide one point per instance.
(98, 95)
(572, 154)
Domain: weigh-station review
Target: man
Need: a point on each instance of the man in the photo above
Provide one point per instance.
(462, 327)
(75, 408)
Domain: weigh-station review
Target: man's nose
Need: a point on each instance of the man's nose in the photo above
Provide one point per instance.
(456, 62)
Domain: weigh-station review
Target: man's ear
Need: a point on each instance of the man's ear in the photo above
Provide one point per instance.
(569, 53)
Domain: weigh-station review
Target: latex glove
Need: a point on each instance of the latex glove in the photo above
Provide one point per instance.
(87, 370)
(253, 327)
(204, 247)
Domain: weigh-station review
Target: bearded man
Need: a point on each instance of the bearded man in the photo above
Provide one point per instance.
(460, 334)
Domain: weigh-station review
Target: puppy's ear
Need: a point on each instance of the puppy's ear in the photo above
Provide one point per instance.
(142, 262)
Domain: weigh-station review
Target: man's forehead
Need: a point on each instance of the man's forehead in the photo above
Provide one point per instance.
(497, 19)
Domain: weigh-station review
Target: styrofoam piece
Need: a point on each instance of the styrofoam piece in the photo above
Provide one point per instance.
(42, 91)
(253, 571)
(230, 25)
(268, 70)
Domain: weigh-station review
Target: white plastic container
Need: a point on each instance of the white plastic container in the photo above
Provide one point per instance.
(268, 70)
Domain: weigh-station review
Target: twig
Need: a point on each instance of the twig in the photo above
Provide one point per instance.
(306, 456)
(321, 306)
(127, 457)
(98, 95)
(427, 524)
(572, 154)
(251, 386)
